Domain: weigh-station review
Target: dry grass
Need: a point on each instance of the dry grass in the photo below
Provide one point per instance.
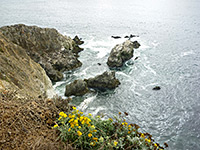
(25, 123)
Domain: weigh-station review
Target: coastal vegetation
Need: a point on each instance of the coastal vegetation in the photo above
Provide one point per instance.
(89, 132)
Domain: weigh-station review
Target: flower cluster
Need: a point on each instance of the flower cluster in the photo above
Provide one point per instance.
(88, 132)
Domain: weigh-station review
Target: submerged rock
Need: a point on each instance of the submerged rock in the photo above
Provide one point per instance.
(121, 53)
(76, 88)
(19, 72)
(107, 80)
(156, 88)
(116, 37)
(54, 52)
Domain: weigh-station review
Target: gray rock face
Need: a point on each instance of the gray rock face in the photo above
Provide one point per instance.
(121, 53)
(76, 88)
(107, 80)
(19, 72)
(53, 51)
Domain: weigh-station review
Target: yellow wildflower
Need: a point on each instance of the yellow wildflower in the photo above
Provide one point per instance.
(72, 125)
(94, 130)
(74, 108)
(71, 120)
(155, 145)
(90, 114)
(142, 135)
(81, 113)
(93, 126)
(79, 127)
(94, 138)
(125, 123)
(79, 133)
(55, 126)
(60, 118)
(129, 132)
(75, 121)
(89, 135)
(115, 143)
(69, 129)
(110, 119)
(64, 115)
(81, 118)
(148, 140)
(73, 116)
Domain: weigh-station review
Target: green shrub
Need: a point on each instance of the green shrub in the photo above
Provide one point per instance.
(88, 132)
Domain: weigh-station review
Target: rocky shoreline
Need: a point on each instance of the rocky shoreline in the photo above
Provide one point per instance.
(32, 49)
(31, 58)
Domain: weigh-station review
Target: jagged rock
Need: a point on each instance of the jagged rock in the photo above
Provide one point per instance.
(76, 88)
(104, 81)
(121, 53)
(54, 52)
(78, 40)
(19, 72)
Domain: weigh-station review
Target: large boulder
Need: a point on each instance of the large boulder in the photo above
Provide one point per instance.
(121, 53)
(76, 88)
(54, 52)
(107, 80)
(19, 72)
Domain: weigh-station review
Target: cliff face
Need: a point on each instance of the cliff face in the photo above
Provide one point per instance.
(54, 52)
(19, 72)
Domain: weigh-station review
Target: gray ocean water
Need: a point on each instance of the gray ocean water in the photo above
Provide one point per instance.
(169, 32)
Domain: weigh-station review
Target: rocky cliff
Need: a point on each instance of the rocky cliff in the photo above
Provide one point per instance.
(54, 52)
(19, 72)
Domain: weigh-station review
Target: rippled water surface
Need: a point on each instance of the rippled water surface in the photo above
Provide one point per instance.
(169, 32)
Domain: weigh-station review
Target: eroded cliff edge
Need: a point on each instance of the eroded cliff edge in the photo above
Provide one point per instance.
(31, 57)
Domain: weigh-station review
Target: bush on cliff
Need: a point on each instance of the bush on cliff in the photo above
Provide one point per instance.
(88, 132)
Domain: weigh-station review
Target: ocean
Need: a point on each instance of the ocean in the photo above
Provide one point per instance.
(169, 57)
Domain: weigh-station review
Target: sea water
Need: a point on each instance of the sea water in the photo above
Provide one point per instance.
(169, 57)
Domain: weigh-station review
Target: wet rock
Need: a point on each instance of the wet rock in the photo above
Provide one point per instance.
(136, 44)
(116, 37)
(156, 88)
(136, 58)
(76, 88)
(121, 53)
(131, 36)
(54, 52)
(78, 40)
(107, 80)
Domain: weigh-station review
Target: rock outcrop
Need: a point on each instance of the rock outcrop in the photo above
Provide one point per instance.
(121, 53)
(19, 72)
(102, 82)
(54, 52)
(107, 80)
(76, 88)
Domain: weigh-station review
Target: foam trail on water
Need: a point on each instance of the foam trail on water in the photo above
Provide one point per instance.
(85, 103)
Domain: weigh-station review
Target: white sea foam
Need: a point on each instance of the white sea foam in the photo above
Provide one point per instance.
(187, 53)
(86, 102)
